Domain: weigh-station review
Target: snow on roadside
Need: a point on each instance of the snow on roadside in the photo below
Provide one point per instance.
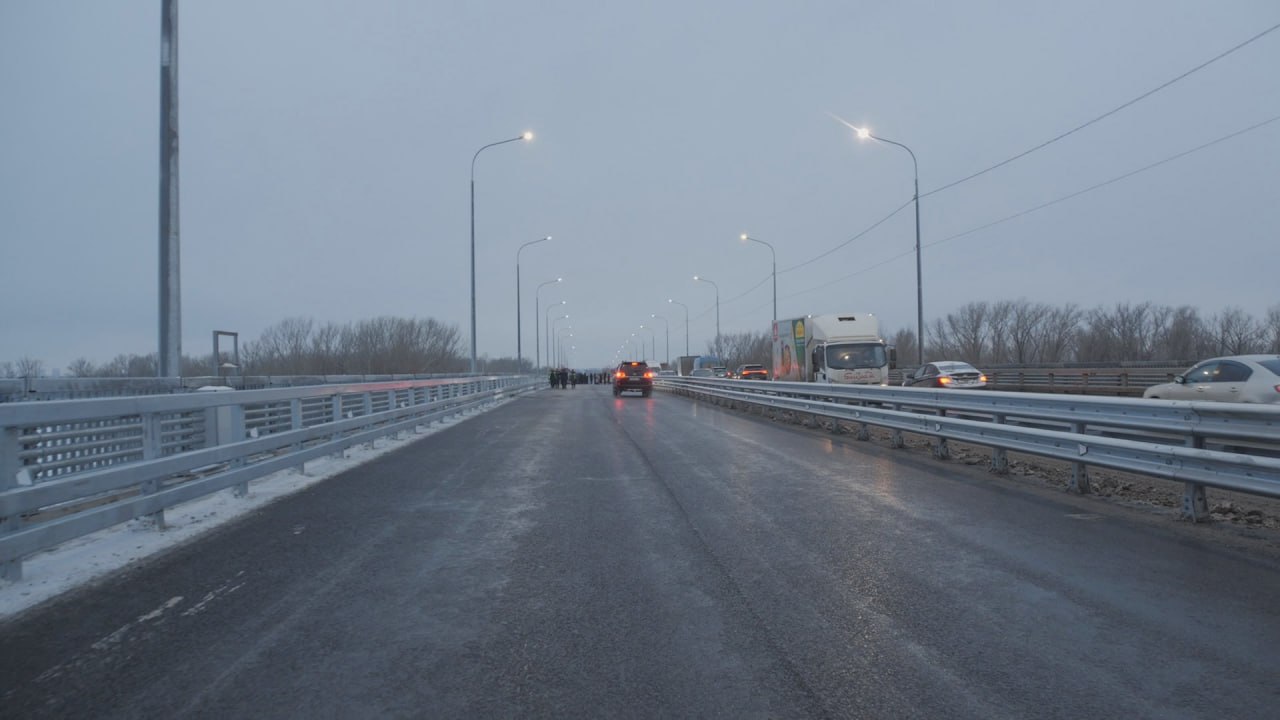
(77, 562)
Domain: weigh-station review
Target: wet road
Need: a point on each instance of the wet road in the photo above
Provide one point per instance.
(575, 555)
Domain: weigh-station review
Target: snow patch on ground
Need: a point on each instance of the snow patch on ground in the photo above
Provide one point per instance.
(74, 563)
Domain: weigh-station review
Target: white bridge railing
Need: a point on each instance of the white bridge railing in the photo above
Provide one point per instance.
(1202, 444)
(72, 467)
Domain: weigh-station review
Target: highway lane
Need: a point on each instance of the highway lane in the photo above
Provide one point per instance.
(577, 555)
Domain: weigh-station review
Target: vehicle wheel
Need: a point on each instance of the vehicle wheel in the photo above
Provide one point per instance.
(616, 393)
(647, 393)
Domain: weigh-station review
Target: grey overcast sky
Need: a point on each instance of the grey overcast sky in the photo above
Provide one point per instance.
(326, 149)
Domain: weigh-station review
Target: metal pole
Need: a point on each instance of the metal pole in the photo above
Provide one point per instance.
(919, 278)
(519, 356)
(774, 255)
(170, 267)
(915, 167)
(686, 323)
(473, 242)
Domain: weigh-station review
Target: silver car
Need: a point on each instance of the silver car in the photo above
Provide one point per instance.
(1238, 378)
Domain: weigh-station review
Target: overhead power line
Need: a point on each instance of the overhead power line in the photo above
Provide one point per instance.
(1107, 114)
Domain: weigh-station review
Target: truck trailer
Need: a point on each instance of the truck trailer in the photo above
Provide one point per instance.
(845, 349)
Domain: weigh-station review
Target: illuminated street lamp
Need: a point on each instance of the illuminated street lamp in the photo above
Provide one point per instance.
(519, 357)
(537, 341)
(522, 136)
(863, 134)
(686, 323)
(745, 237)
(717, 287)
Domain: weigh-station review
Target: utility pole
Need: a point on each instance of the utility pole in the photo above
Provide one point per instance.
(170, 267)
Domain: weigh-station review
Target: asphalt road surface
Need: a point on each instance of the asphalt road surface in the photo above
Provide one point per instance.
(575, 555)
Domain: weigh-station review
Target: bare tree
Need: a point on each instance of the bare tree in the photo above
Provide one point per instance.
(1271, 328)
(904, 341)
(29, 367)
(8, 370)
(81, 367)
(969, 331)
(1237, 332)
(1059, 335)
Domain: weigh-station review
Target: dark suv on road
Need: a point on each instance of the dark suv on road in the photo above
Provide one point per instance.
(633, 375)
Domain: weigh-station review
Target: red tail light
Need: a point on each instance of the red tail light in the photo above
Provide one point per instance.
(648, 374)
(619, 374)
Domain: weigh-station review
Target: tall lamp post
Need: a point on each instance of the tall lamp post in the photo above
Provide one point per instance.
(547, 317)
(519, 356)
(653, 336)
(863, 134)
(717, 287)
(555, 334)
(560, 354)
(522, 136)
(745, 237)
(686, 323)
(667, 325)
(537, 339)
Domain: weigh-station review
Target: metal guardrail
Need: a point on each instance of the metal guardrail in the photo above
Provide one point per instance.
(72, 467)
(75, 388)
(1116, 381)
(1175, 440)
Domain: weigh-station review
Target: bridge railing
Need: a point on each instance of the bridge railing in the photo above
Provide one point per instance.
(1230, 446)
(72, 467)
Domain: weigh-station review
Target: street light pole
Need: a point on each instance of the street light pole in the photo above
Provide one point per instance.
(519, 356)
(522, 136)
(686, 323)
(864, 133)
(717, 287)
(537, 339)
(667, 325)
(555, 334)
(548, 326)
(654, 337)
(746, 237)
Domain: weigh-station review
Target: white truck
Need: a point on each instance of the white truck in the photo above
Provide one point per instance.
(844, 349)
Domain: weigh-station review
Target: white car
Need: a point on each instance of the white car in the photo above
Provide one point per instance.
(1238, 378)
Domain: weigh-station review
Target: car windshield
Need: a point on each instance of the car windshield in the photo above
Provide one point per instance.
(851, 356)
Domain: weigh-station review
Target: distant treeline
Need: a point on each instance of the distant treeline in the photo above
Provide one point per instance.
(1020, 332)
(300, 346)
(1007, 332)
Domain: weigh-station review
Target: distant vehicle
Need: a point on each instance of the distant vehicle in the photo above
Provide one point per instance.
(1236, 378)
(667, 373)
(633, 375)
(702, 372)
(844, 349)
(947, 374)
(720, 371)
(686, 364)
(751, 372)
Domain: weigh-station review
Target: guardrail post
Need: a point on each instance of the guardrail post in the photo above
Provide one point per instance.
(999, 456)
(335, 415)
(295, 423)
(864, 432)
(151, 451)
(1079, 471)
(895, 439)
(235, 426)
(10, 466)
(1195, 503)
(941, 449)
